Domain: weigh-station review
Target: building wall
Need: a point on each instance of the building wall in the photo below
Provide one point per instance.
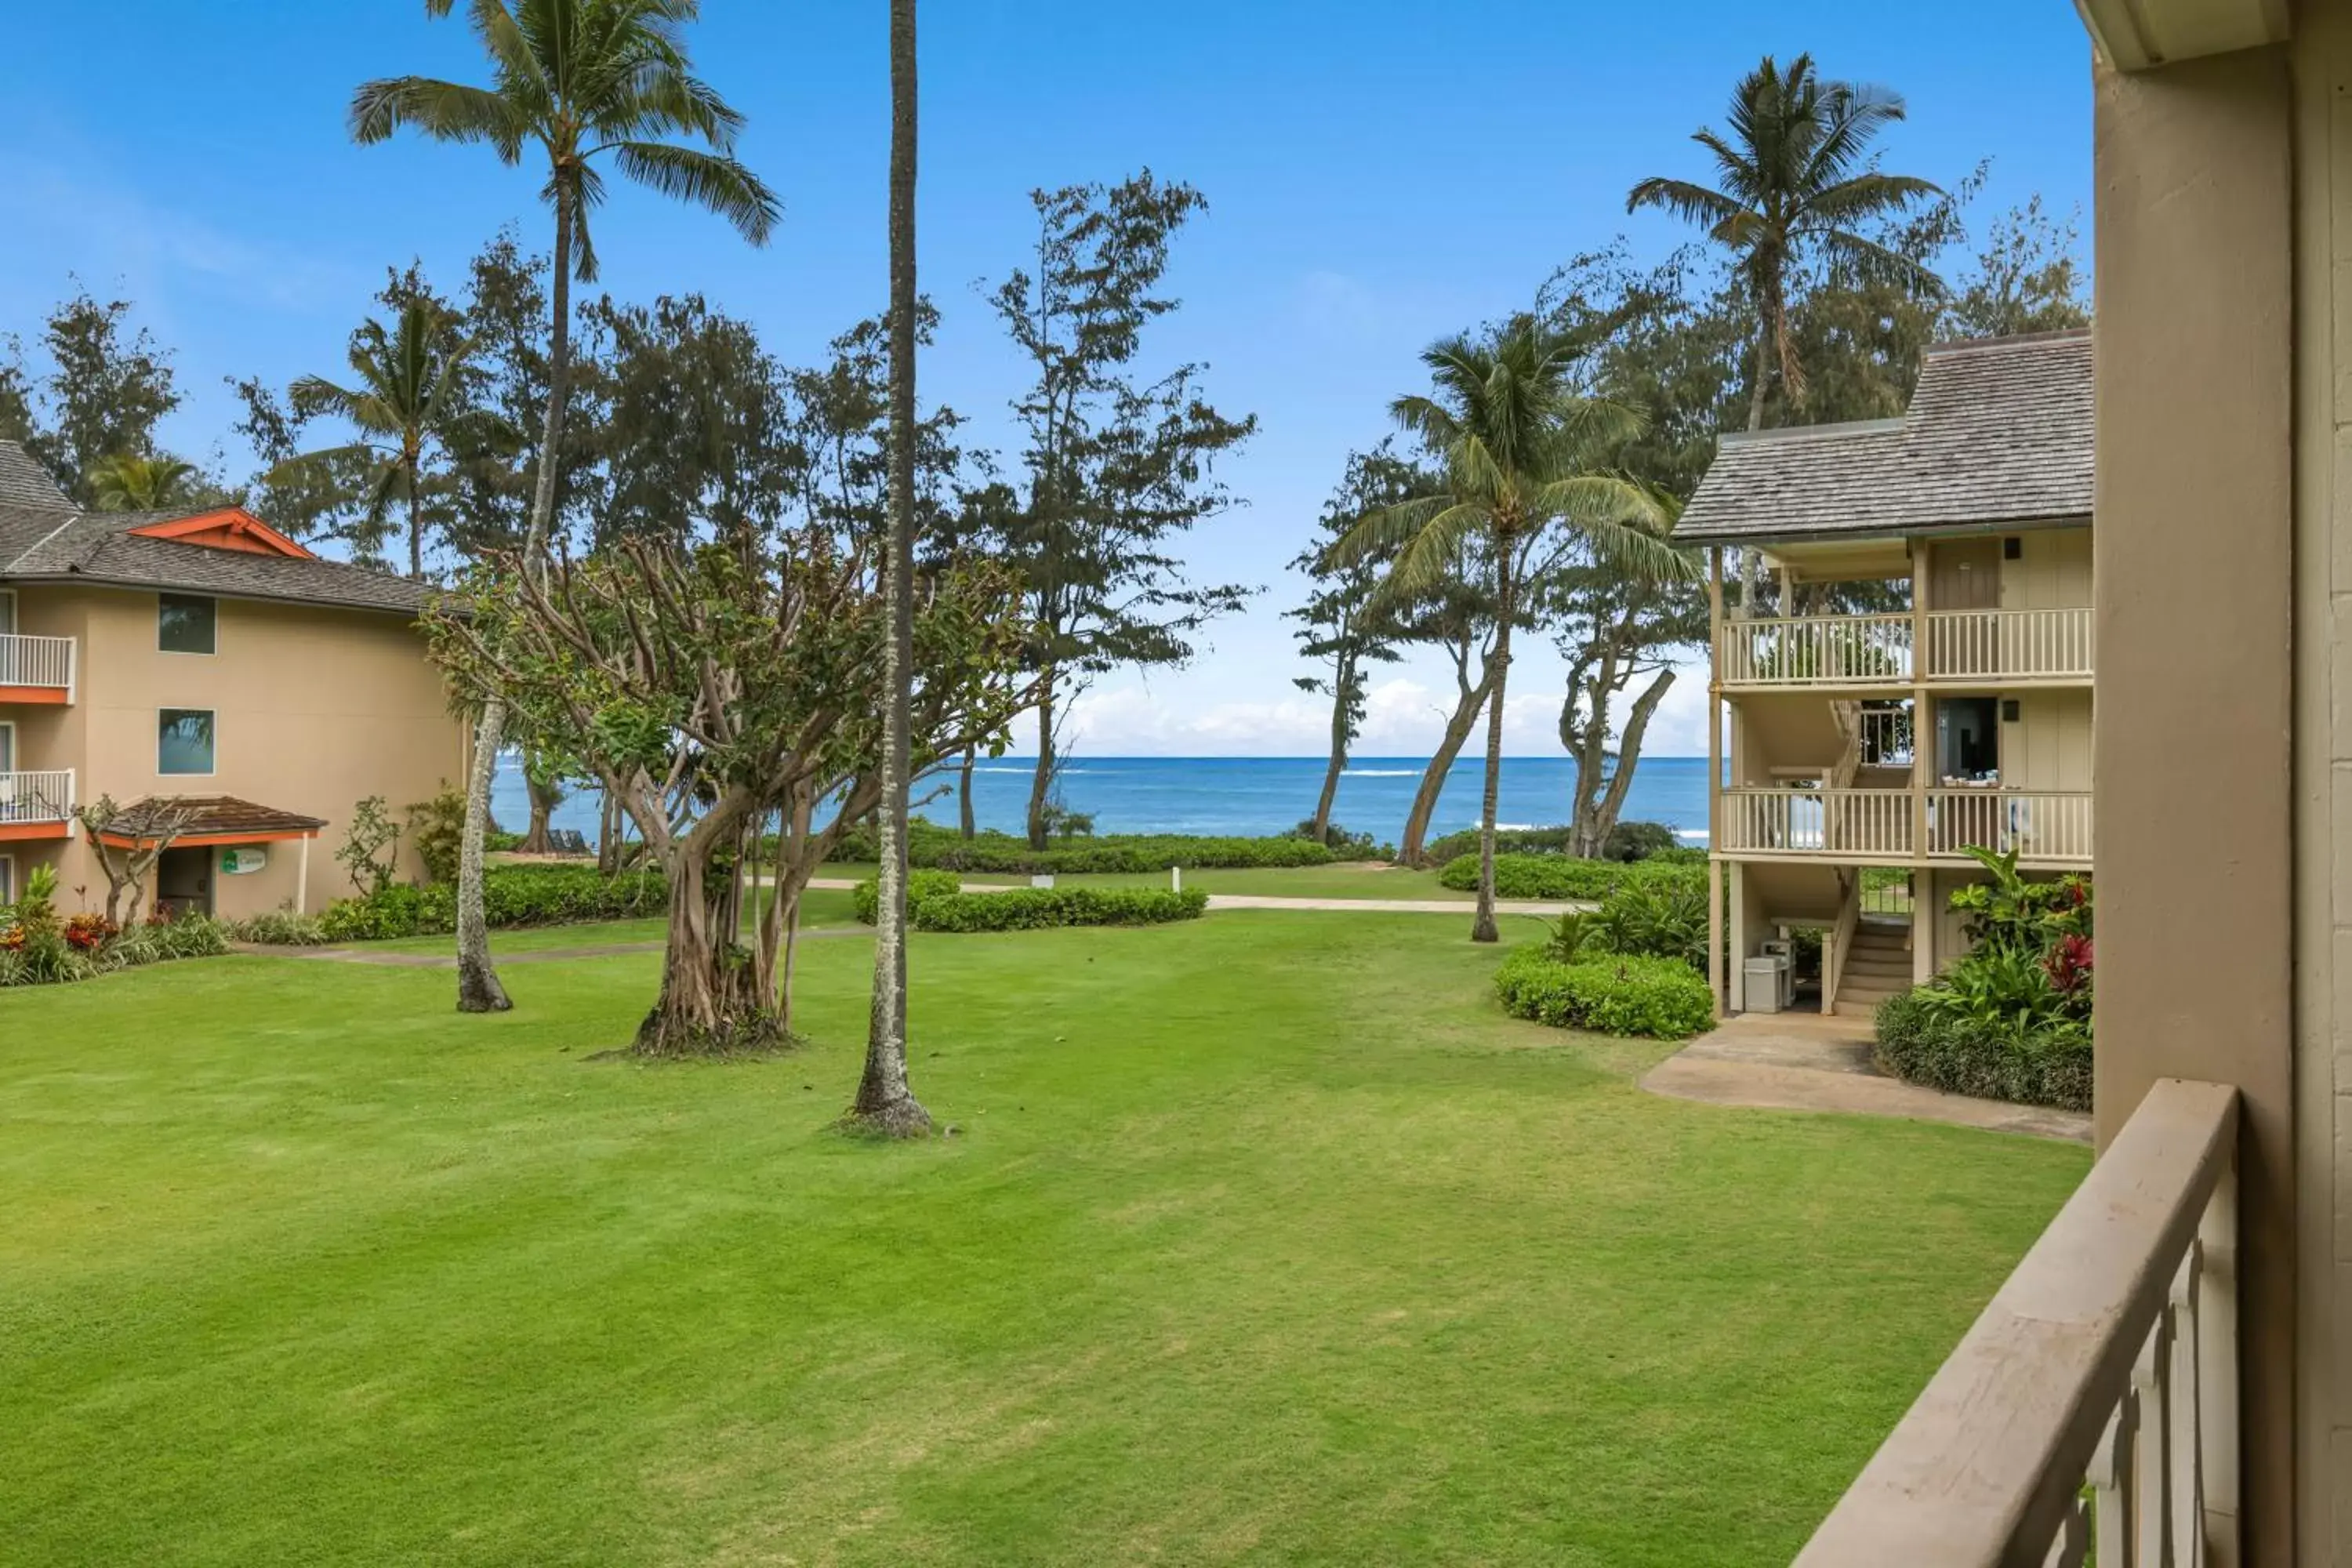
(2194, 568)
(2053, 571)
(314, 709)
(2048, 746)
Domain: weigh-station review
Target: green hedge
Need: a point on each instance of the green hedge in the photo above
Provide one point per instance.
(945, 850)
(866, 898)
(531, 895)
(1658, 997)
(1037, 908)
(1563, 876)
(1626, 841)
(1921, 1044)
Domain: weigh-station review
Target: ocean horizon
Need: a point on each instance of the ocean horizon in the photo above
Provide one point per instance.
(1250, 796)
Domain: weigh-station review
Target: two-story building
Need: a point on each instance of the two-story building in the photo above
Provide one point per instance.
(202, 669)
(1914, 677)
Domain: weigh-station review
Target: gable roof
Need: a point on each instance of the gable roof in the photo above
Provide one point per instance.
(2000, 430)
(44, 537)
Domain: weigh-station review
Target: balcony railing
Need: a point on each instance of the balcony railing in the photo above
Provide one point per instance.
(42, 662)
(2045, 828)
(2094, 1403)
(1878, 650)
(36, 799)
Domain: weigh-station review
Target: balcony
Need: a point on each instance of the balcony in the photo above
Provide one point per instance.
(2096, 1402)
(37, 669)
(1866, 652)
(37, 805)
(2046, 828)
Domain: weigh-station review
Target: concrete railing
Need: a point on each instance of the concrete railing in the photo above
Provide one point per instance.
(2018, 644)
(27, 798)
(2093, 1406)
(36, 661)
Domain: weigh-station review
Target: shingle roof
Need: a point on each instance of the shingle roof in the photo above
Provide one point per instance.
(205, 816)
(2000, 430)
(23, 482)
(56, 542)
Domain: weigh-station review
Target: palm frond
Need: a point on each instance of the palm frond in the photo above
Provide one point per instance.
(444, 111)
(1691, 203)
(708, 180)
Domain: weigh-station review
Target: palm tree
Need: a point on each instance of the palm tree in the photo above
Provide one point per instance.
(1520, 479)
(1794, 178)
(583, 80)
(412, 385)
(886, 1102)
(129, 482)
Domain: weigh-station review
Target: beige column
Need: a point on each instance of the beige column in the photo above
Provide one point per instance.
(2192, 567)
(1715, 932)
(1739, 955)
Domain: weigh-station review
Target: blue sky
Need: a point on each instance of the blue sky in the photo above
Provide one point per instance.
(1378, 174)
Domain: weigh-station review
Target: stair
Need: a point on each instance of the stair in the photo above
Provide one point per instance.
(1877, 966)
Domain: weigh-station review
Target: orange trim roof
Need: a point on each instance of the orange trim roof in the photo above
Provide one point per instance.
(226, 528)
(207, 819)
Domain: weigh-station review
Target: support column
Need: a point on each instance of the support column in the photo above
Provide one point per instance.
(1737, 956)
(302, 878)
(2192, 574)
(1715, 932)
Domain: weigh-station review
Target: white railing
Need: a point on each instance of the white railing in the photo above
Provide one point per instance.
(2107, 1365)
(1847, 822)
(36, 661)
(1817, 650)
(2029, 643)
(36, 797)
(2038, 825)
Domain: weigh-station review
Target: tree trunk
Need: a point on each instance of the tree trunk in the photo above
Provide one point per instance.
(1467, 704)
(416, 527)
(478, 990)
(886, 1103)
(608, 834)
(1342, 677)
(1482, 926)
(1043, 781)
(963, 797)
(545, 799)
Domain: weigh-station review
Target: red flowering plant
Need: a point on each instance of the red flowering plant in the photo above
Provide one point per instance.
(2068, 964)
(91, 931)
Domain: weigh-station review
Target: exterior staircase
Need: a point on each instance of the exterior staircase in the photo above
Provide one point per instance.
(1877, 966)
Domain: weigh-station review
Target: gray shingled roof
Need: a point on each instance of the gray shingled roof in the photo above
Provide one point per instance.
(1999, 431)
(23, 482)
(50, 540)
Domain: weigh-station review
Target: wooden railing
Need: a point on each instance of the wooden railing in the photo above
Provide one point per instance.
(1886, 737)
(36, 797)
(2094, 1403)
(2038, 825)
(1839, 939)
(36, 661)
(2028, 644)
(1817, 650)
(1849, 822)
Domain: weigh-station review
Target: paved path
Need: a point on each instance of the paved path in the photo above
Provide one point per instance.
(1803, 1062)
(1269, 902)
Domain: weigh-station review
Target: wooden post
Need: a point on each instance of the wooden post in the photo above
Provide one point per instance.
(302, 877)
(1714, 933)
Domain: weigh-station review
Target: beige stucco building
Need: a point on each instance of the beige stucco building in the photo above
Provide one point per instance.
(1916, 678)
(201, 667)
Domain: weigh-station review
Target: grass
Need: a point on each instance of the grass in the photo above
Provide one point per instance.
(1326, 1261)
(1342, 879)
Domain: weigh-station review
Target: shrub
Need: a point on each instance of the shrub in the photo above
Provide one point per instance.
(866, 898)
(436, 829)
(75, 950)
(1654, 916)
(945, 850)
(280, 928)
(1344, 845)
(1923, 1043)
(534, 895)
(1565, 877)
(1638, 841)
(156, 941)
(1507, 841)
(1657, 997)
(1035, 909)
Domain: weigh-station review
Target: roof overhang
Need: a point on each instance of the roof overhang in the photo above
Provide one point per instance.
(225, 528)
(1960, 529)
(2138, 34)
(148, 585)
(192, 821)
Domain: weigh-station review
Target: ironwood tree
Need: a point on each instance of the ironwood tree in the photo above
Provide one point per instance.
(97, 389)
(1117, 463)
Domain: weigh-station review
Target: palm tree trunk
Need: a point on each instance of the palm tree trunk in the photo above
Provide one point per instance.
(477, 979)
(478, 990)
(1483, 927)
(415, 528)
(884, 1100)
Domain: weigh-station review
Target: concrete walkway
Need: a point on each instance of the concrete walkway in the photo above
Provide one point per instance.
(1269, 902)
(1803, 1062)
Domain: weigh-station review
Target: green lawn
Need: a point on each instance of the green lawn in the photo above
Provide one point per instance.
(1264, 1238)
(1343, 879)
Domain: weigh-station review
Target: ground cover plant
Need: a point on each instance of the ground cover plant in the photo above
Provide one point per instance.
(1225, 1263)
(40, 945)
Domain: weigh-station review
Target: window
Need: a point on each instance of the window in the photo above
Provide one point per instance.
(2013, 549)
(184, 741)
(184, 624)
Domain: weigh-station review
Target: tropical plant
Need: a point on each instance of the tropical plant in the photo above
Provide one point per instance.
(370, 852)
(583, 80)
(1519, 449)
(128, 481)
(411, 392)
(1794, 177)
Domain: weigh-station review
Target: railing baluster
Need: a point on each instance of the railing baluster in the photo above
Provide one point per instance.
(2112, 1488)
(2152, 1376)
(2074, 1540)
(2187, 1484)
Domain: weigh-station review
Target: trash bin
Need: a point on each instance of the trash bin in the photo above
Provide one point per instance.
(1763, 987)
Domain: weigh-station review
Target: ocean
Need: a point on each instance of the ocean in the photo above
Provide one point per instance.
(1253, 794)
